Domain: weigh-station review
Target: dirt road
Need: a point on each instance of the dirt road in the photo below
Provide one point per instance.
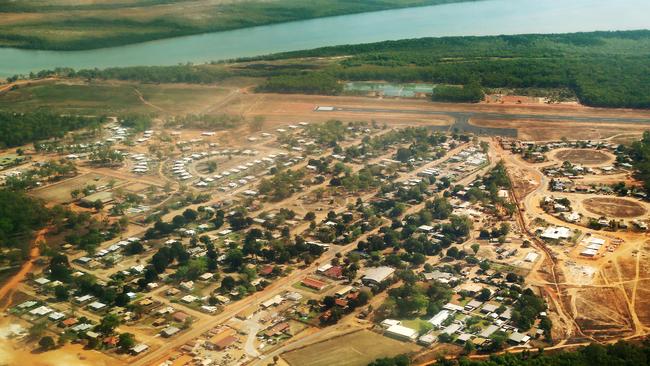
(8, 289)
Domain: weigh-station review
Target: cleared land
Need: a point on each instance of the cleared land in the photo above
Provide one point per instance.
(614, 207)
(583, 156)
(354, 349)
(60, 192)
(110, 97)
(74, 25)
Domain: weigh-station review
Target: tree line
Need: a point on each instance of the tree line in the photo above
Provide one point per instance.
(17, 129)
(619, 354)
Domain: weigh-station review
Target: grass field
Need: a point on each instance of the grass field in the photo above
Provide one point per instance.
(68, 25)
(100, 98)
(356, 349)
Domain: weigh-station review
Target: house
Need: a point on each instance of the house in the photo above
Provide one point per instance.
(442, 277)
(518, 338)
(313, 283)
(81, 327)
(206, 276)
(266, 270)
(487, 332)
(387, 323)
(42, 281)
(139, 348)
(470, 287)
(463, 337)
(556, 233)
(96, 306)
(56, 316)
(69, 322)
(344, 291)
(489, 308)
(293, 296)
(209, 309)
(40, 311)
(474, 304)
(224, 343)
(169, 331)
(105, 197)
(427, 339)
(531, 257)
(425, 228)
(180, 316)
(375, 276)
(274, 301)
(334, 272)
(401, 332)
(83, 299)
(27, 305)
(111, 341)
(452, 328)
(188, 299)
(277, 329)
(439, 318)
(452, 307)
(187, 286)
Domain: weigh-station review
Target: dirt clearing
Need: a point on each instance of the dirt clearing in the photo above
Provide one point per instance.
(583, 156)
(613, 207)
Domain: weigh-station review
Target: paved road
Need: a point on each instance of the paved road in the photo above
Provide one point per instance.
(462, 118)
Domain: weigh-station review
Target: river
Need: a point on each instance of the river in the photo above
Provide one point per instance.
(490, 17)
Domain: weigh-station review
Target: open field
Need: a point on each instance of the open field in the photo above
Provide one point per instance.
(356, 349)
(583, 156)
(233, 97)
(73, 25)
(110, 97)
(60, 192)
(614, 207)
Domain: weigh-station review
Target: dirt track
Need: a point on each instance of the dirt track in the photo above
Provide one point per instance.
(8, 289)
(605, 306)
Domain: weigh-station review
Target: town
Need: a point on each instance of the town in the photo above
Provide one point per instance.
(302, 243)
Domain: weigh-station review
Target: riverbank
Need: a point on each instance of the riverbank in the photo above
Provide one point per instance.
(482, 18)
(64, 25)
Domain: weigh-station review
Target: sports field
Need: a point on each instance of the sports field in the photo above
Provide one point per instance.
(356, 349)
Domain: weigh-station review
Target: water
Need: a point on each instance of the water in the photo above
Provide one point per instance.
(491, 17)
(408, 90)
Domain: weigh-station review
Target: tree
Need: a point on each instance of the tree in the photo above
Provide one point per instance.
(227, 283)
(46, 343)
(212, 166)
(190, 215)
(37, 329)
(484, 295)
(475, 247)
(126, 341)
(401, 360)
(235, 258)
(108, 324)
(61, 293)
(468, 347)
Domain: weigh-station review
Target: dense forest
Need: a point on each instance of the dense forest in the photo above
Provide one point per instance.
(20, 216)
(640, 154)
(17, 129)
(469, 93)
(604, 69)
(619, 354)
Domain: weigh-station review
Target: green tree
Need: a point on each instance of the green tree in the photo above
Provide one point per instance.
(46, 343)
